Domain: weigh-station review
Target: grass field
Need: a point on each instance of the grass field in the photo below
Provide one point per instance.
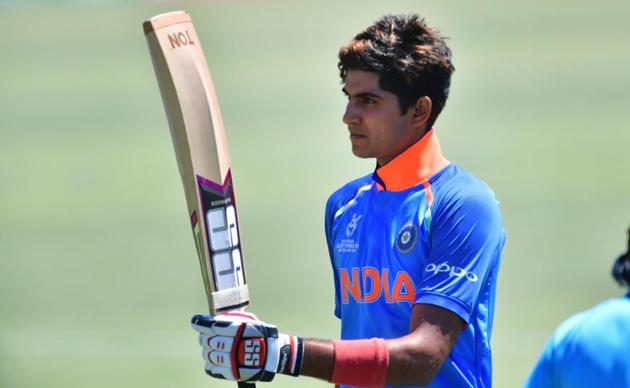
(98, 274)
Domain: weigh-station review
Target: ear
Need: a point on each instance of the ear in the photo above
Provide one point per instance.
(421, 112)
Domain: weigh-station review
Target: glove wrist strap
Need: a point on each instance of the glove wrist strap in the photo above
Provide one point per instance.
(291, 355)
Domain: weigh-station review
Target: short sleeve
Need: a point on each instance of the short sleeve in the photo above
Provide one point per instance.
(541, 375)
(466, 239)
(328, 225)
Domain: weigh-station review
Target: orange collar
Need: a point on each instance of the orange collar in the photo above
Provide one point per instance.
(414, 165)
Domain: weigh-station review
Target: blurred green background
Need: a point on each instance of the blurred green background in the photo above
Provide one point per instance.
(98, 273)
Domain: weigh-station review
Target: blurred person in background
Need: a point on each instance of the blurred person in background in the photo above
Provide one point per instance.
(591, 348)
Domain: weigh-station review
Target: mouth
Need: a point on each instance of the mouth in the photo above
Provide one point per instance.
(356, 136)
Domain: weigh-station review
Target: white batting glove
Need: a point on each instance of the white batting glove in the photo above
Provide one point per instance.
(237, 346)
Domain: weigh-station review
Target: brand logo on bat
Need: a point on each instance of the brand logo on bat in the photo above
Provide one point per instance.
(180, 38)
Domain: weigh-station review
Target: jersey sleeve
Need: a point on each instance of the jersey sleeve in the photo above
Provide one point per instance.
(564, 361)
(541, 376)
(466, 238)
(328, 225)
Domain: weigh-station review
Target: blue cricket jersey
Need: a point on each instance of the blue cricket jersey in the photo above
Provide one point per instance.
(587, 350)
(418, 230)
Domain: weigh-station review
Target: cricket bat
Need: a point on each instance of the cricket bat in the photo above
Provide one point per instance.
(196, 127)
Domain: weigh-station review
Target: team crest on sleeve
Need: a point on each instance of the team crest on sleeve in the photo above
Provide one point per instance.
(407, 238)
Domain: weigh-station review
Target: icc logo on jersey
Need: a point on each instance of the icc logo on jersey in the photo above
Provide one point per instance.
(407, 238)
(352, 225)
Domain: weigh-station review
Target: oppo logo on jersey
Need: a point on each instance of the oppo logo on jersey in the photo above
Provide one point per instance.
(368, 284)
(452, 270)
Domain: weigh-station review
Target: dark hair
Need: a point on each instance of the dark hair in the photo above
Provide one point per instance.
(410, 57)
(621, 268)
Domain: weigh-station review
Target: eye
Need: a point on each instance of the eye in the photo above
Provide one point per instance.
(369, 100)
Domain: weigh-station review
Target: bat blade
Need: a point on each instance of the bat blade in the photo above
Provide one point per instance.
(200, 143)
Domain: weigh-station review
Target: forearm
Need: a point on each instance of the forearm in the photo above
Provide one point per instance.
(319, 358)
(410, 361)
(413, 361)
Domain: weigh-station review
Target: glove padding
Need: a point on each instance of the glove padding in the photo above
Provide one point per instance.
(238, 346)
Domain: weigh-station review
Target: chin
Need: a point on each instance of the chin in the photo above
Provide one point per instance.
(363, 154)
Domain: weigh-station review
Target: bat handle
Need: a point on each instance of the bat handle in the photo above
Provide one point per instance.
(242, 384)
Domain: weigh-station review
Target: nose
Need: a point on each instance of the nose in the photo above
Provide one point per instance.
(351, 115)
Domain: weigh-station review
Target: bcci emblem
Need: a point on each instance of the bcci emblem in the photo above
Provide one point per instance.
(352, 225)
(407, 238)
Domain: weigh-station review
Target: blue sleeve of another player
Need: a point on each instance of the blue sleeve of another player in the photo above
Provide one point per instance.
(328, 224)
(466, 238)
(542, 376)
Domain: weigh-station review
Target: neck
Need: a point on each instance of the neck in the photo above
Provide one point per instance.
(414, 165)
(386, 159)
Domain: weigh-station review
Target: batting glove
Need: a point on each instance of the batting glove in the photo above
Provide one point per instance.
(237, 346)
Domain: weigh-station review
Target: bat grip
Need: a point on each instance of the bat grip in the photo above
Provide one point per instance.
(242, 384)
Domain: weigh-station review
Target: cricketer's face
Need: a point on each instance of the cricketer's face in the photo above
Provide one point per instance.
(377, 128)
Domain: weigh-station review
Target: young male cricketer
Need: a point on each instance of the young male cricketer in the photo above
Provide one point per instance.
(415, 246)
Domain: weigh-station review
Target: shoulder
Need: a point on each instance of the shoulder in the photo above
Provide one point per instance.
(586, 348)
(454, 183)
(455, 190)
(597, 323)
(347, 192)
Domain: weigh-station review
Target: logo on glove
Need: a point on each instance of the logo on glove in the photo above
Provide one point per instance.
(285, 354)
(252, 352)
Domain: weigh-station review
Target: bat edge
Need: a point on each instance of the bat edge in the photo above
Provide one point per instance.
(164, 20)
